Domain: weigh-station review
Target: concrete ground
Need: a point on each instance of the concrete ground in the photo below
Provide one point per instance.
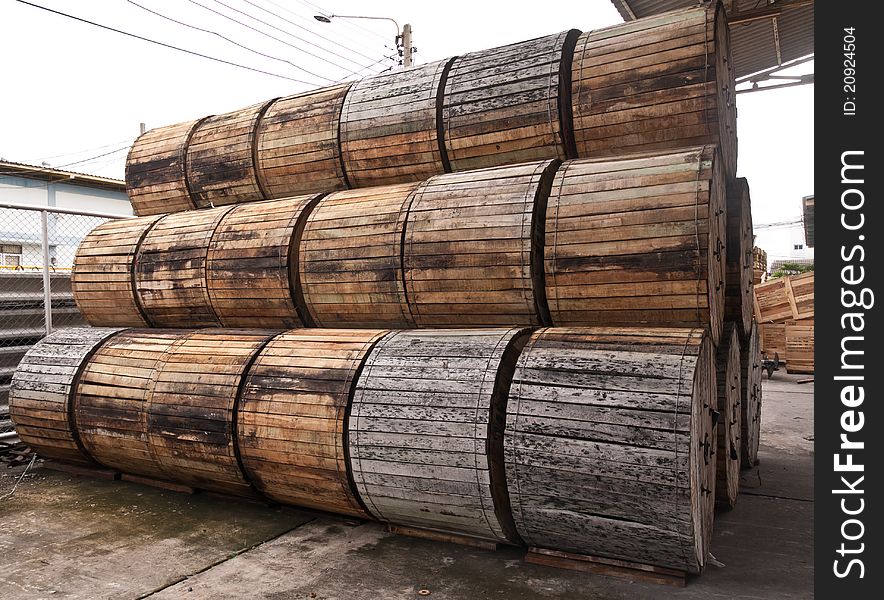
(68, 536)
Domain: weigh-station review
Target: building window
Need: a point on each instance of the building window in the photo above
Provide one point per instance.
(799, 246)
(10, 255)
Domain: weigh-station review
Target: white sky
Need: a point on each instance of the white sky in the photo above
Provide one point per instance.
(72, 91)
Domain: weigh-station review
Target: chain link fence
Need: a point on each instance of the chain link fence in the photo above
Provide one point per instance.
(37, 249)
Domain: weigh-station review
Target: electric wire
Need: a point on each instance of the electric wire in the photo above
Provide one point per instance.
(350, 24)
(164, 44)
(215, 33)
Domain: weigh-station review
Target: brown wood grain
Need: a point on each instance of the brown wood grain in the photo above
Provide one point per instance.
(291, 428)
(750, 385)
(727, 457)
(739, 286)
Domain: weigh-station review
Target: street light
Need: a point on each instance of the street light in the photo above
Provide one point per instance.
(405, 47)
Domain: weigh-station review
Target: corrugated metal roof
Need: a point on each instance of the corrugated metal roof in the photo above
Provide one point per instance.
(59, 175)
(754, 42)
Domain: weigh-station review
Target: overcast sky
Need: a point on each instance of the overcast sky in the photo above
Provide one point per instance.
(73, 92)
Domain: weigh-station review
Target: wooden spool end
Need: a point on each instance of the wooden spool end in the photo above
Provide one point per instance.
(191, 408)
(40, 399)
(111, 400)
(504, 105)
(739, 287)
(750, 382)
(350, 259)
(389, 127)
(221, 158)
(156, 180)
(291, 428)
(727, 456)
(297, 145)
(472, 247)
(103, 276)
(252, 263)
(659, 82)
(170, 269)
(425, 430)
(637, 240)
(609, 444)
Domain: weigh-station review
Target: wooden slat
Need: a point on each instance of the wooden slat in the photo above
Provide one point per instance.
(350, 259)
(252, 265)
(469, 257)
(802, 293)
(750, 385)
(799, 346)
(590, 470)
(191, 407)
(637, 240)
(156, 179)
(664, 81)
(739, 287)
(170, 269)
(40, 395)
(103, 273)
(425, 427)
(297, 144)
(786, 298)
(510, 104)
(220, 158)
(291, 428)
(111, 401)
(389, 127)
(727, 457)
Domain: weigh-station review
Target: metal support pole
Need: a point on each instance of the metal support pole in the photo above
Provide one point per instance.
(47, 290)
(406, 46)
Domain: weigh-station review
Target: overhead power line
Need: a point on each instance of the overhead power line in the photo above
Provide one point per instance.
(312, 21)
(273, 37)
(92, 158)
(308, 30)
(350, 24)
(357, 72)
(84, 151)
(165, 45)
(215, 33)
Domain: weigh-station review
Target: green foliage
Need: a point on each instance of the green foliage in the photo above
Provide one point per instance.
(791, 269)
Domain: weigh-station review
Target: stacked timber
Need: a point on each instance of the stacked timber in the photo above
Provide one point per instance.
(112, 400)
(638, 241)
(103, 277)
(156, 170)
(609, 444)
(425, 430)
(739, 289)
(292, 417)
(389, 127)
(511, 104)
(759, 265)
(664, 81)
(750, 385)
(297, 144)
(473, 244)
(252, 263)
(350, 259)
(784, 309)
(727, 455)
(42, 389)
(170, 269)
(220, 159)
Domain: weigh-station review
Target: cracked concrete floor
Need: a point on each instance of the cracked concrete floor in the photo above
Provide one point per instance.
(68, 536)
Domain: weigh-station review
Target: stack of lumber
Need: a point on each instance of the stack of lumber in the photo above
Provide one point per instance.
(505, 297)
(664, 82)
(759, 265)
(491, 434)
(784, 308)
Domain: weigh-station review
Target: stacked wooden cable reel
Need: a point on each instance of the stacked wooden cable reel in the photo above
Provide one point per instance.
(499, 298)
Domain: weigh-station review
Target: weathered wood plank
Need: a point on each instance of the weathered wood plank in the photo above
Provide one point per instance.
(727, 457)
(633, 497)
(750, 384)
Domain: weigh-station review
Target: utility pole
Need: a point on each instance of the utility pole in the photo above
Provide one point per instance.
(142, 127)
(406, 46)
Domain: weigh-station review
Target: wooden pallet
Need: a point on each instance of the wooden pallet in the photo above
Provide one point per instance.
(83, 470)
(606, 566)
(442, 536)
